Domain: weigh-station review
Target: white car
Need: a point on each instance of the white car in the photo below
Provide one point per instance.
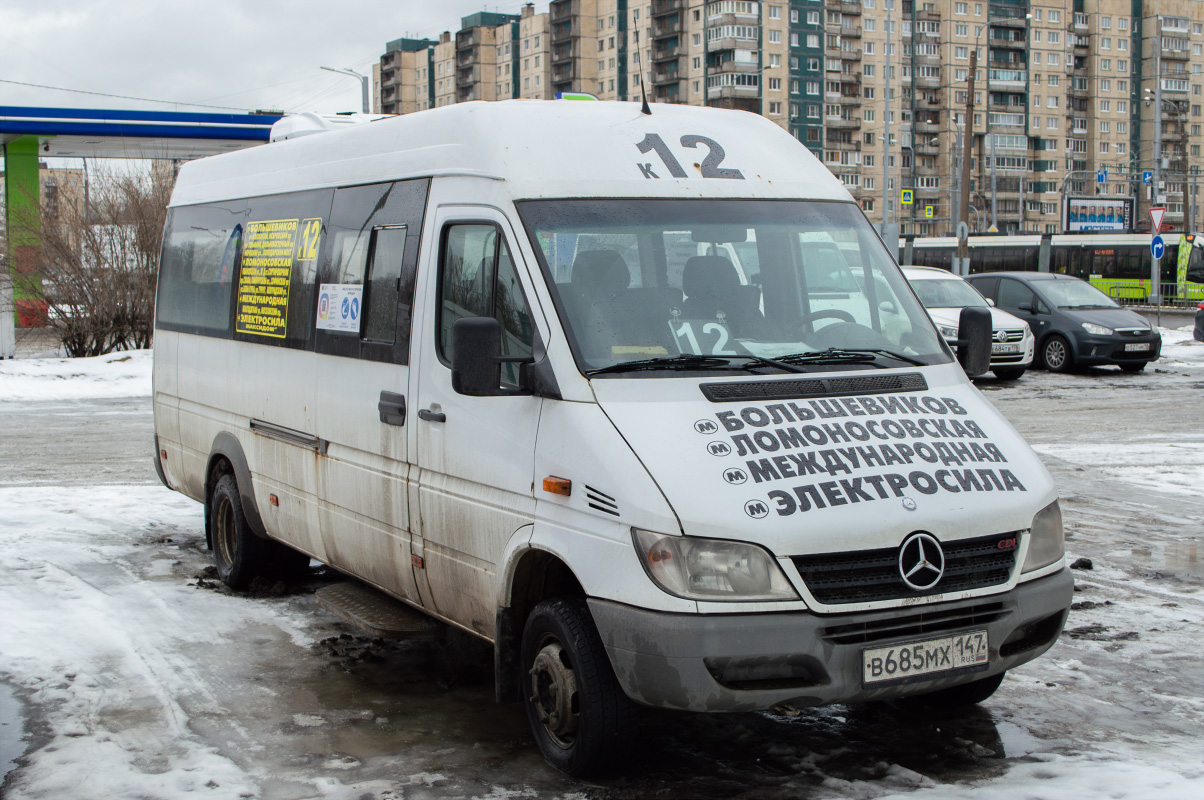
(944, 295)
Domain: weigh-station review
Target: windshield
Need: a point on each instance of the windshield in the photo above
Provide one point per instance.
(659, 282)
(1075, 294)
(947, 293)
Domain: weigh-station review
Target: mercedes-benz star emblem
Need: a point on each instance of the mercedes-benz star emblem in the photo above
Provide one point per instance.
(921, 561)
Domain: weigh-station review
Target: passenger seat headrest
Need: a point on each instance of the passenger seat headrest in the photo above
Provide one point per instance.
(712, 276)
(600, 273)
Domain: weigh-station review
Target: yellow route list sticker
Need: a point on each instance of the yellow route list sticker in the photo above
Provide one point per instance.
(269, 251)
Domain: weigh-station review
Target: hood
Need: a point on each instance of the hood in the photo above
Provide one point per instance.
(837, 472)
(999, 318)
(1111, 317)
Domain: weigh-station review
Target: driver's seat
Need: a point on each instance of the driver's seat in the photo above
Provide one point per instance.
(713, 291)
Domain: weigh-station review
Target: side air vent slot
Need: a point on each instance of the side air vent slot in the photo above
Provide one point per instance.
(601, 501)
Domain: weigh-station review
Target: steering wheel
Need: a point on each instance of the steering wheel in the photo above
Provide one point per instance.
(850, 334)
(825, 313)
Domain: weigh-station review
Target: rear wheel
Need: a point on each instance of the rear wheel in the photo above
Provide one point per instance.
(579, 715)
(1056, 354)
(966, 694)
(1008, 373)
(1138, 367)
(239, 555)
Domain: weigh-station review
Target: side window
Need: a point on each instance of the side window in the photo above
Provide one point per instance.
(381, 288)
(1012, 293)
(986, 286)
(477, 278)
(277, 279)
(366, 278)
(197, 270)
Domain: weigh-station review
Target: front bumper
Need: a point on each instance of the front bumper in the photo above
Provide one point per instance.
(746, 662)
(1093, 349)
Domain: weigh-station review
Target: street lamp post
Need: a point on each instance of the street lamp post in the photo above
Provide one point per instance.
(363, 79)
(963, 245)
(886, 133)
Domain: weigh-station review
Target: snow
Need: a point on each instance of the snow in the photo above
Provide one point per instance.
(1172, 464)
(1179, 349)
(125, 374)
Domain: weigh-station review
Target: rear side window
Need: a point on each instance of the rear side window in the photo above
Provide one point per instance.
(282, 240)
(1012, 293)
(198, 268)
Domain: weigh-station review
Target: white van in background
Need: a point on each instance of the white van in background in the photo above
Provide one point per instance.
(454, 356)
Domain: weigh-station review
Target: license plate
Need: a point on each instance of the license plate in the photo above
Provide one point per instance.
(1136, 346)
(1004, 349)
(904, 662)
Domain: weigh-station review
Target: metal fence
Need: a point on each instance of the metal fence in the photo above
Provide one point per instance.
(1138, 293)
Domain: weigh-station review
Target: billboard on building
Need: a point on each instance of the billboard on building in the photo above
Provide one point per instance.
(1098, 213)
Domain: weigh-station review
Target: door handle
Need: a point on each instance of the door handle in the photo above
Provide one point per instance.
(392, 408)
(432, 414)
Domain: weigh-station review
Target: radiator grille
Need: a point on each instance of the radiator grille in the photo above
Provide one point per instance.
(864, 576)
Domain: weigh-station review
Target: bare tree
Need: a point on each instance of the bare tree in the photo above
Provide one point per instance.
(100, 257)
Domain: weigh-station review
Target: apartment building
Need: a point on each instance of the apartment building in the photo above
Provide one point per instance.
(1067, 94)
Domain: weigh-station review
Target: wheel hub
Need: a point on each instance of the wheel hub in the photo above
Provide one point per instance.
(554, 692)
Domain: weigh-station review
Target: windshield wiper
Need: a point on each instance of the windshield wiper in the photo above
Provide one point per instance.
(848, 355)
(688, 361)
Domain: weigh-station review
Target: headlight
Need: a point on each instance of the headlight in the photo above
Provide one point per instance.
(711, 569)
(1046, 542)
(947, 332)
(1028, 332)
(1098, 330)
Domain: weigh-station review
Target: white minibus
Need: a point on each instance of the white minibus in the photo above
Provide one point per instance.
(496, 362)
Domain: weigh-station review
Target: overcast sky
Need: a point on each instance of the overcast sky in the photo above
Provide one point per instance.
(241, 54)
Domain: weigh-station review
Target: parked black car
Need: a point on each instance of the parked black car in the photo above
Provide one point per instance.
(1074, 323)
(1198, 333)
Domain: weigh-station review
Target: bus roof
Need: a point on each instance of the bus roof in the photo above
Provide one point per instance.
(542, 149)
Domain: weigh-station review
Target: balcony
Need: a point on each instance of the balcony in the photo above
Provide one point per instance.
(672, 52)
(853, 101)
(1080, 21)
(662, 7)
(1175, 49)
(1080, 43)
(1007, 108)
(662, 77)
(852, 32)
(848, 7)
(1174, 85)
(840, 123)
(731, 92)
(465, 40)
(562, 72)
(854, 146)
(1007, 77)
(927, 126)
(1078, 90)
(850, 55)
(1001, 21)
(666, 26)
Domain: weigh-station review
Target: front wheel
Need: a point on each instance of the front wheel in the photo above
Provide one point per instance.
(579, 715)
(1056, 354)
(1008, 373)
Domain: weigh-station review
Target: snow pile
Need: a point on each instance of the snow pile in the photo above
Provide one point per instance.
(1179, 349)
(126, 374)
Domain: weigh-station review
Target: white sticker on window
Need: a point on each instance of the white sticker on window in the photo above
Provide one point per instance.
(339, 306)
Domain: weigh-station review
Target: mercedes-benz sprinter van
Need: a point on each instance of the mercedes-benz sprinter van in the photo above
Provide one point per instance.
(497, 361)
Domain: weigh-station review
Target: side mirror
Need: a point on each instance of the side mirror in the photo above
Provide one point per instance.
(990, 302)
(476, 356)
(1026, 307)
(974, 340)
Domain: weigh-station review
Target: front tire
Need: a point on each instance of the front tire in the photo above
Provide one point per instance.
(1055, 353)
(579, 715)
(1008, 373)
(239, 555)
